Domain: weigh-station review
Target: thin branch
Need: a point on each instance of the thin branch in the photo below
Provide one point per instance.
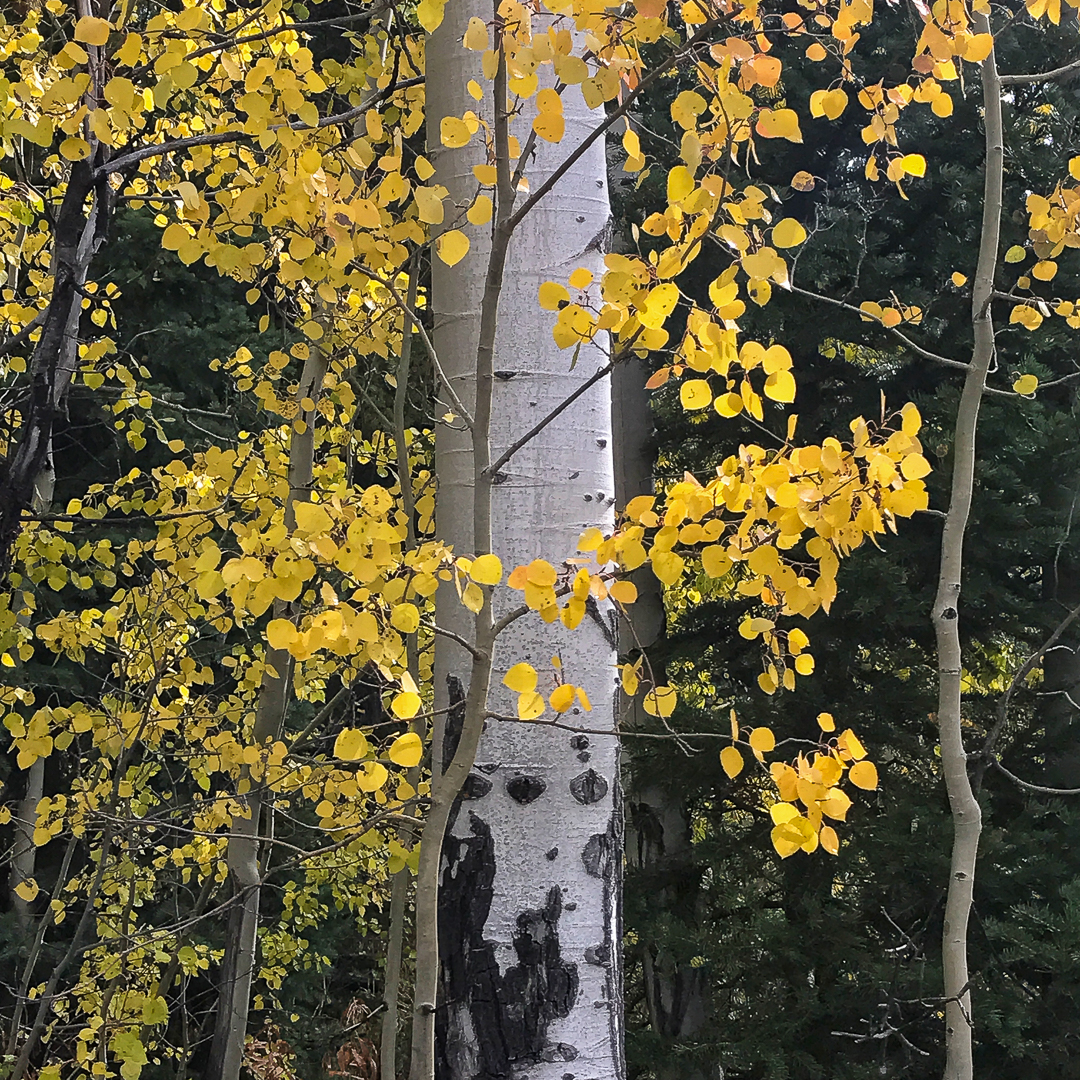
(1039, 789)
(918, 349)
(410, 314)
(443, 632)
(16, 341)
(1043, 76)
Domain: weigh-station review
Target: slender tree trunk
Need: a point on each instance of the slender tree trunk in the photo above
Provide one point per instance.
(966, 815)
(658, 842)
(529, 879)
(238, 963)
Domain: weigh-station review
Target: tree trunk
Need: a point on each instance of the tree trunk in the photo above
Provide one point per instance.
(529, 879)
(238, 963)
(966, 814)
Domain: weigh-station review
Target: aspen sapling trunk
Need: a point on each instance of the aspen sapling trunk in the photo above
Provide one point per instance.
(238, 963)
(966, 815)
(529, 878)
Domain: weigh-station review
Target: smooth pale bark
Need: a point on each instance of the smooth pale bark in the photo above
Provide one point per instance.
(529, 873)
(966, 814)
(238, 963)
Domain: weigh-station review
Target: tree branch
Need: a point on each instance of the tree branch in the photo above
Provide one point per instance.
(1043, 76)
(16, 341)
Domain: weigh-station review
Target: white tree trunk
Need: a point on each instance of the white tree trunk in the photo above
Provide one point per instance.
(530, 875)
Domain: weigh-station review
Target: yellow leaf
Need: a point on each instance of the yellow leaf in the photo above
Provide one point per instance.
(829, 840)
(816, 52)
(695, 394)
(1044, 270)
(780, 386)
(407, 750)
(530, 705)
(804, 664)
(27, 889)
(476, 36)
(661, 701)
(779, 124)
(429, 204)
(553, 295)
(281, 633)
(351, 745)
(473, 598)
(452, 247)
(667, 566)
(75, 149)
(732, 761)
(914, 467)
(788, 233)
(762, 740)
(486, 174)
(480, 211)
(405, 705)
(550, 126)
(430, 15)
(521, 678)
(715, 561)
(405, 617)
(913, 164)
(849, 741)
(454, 132)
(863, 774)
(958, 279)
(91, 31)
(826, 722)
(1015, 254)
(372, 776)
(562, 698)
(487, 570)
(581, 278)
(680, 183)
(623, 591)
(1026, 385)
(828, 103)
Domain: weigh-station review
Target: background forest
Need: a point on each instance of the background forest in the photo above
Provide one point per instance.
(739, 964)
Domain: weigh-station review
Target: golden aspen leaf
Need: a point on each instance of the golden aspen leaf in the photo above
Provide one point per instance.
(372, 776)
(863, 774)
(542, 573)
(630, 680)
(590, 540)
(715, 561)
(562, 697)
(155, 1010)
(553, 295)
(762, 740)
(520, 678)
(779, 124)
(480, 211)
(1026, 384)
(91, 31)
(804, 664)
(1044, 270)
(695, 394)
(667, 566)
(281, 633)
(487, 175)
(174, 236)
(958, 279)
(473, 598)
(487, 570)
(530, 705)
(550, 126)
(405, 705)
(454, 132)
(311, 518)
(783, 812)
(914, 467)
(405, 617)
(476, 36)
(728, 404)
(1074, 168)
(623, 591)
(826, 722)
(74, 149)
(351, 745)
(849, 742)
(788, 233)
(452, 247)
(767, 682)
(680, 182)
(583, 698)
(27, 889)
(686, 108)
(913, 164)
(1015, 254)
(803, 181)
(942, 105)
(406, 750)
(429, 204)
(828, 103)
(661, 701)
(424, 169)
(978, 47)
(816, 52)
(731, 761)
(581, 278)
(1027, 316)
(785, 840)
(780, 386)
(829, 840)
(734, 725)
(911, 419)
(430, 15)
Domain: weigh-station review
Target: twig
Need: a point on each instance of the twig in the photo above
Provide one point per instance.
(1043, 76)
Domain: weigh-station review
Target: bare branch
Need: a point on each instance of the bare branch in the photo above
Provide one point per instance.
(1055, 75)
